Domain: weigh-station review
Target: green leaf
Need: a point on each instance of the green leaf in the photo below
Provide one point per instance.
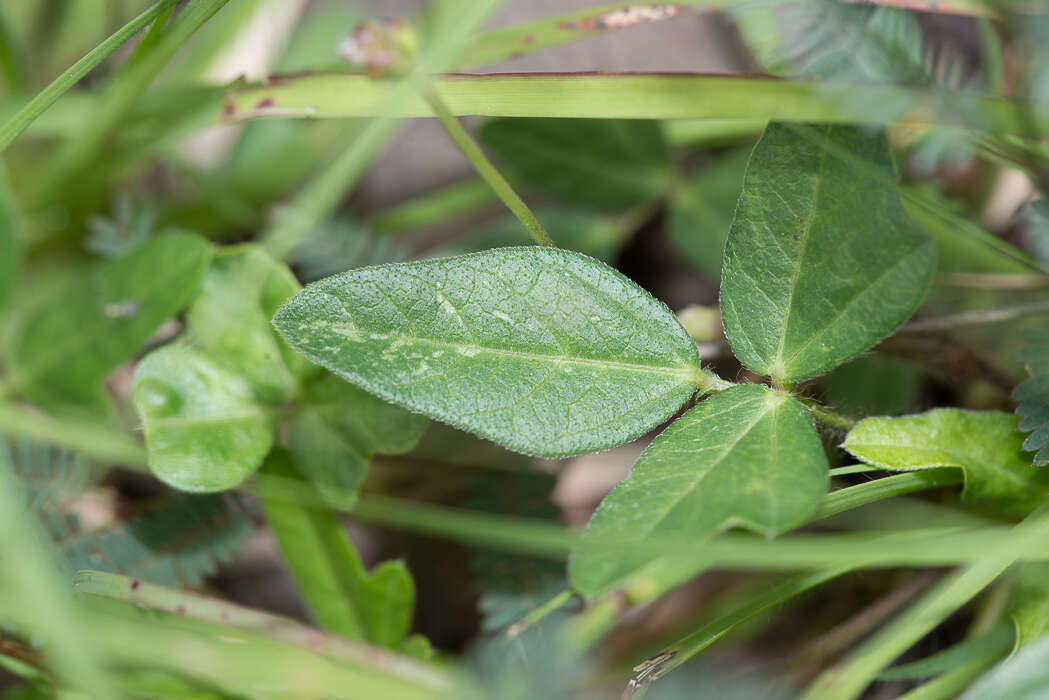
(603, 162)
(700, 213)
(1033, 394)
(9, 253)
(69, 346)
(995, 642)
(339, 429)
(203, 429)
(544, 351)
(230, 320)
(984, 444)
(1023, 676)
(747, 456)
(340, 595)
(821, 262)
(1029, 607)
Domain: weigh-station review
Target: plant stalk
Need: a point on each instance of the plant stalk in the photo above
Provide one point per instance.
(488, 172)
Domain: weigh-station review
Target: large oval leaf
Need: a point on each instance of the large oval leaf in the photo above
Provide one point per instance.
(204, 431)
(821, 261)
(747, 456)
(545, 351)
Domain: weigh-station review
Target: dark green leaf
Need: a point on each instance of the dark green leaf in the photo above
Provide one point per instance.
(71, 344)
(545, 351)
(230, 320)
(339, 429)
(821, 262)
(701, 211)
(340, 595)
(603, 162)
(203, 429)
(747, 456)
(874, 385)
(984, 444)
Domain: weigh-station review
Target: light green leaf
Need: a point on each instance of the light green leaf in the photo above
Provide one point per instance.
(71, 344)
(340, 595)
(747, 456)
(603, 162)
(984, 444)
(821, 262)
(700, 213)
(230, 320)
(339, 429)
(1029, 607)
(544, 351)
(1023, 676)
(203, 429)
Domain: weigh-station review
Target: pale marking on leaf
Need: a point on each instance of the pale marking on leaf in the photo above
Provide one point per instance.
(351, 333)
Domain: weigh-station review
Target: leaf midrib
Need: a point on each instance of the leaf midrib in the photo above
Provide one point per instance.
(778, 367)
(690, 372)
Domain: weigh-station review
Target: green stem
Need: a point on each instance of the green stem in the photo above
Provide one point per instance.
(975, 318)
(849, 679)
(440, 205)
(47, 97)
(852, 497)
(709, 382)
(487, 171)
(320, 197)
(518, 534)
(93, 441)
(540, 613)
(828, 417)
(686, 648)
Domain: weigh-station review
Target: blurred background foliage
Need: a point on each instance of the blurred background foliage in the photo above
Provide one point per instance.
(112, 204)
